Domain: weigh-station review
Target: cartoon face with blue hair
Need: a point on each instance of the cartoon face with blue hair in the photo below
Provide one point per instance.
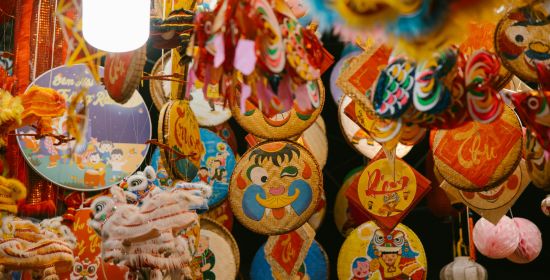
(279, 182)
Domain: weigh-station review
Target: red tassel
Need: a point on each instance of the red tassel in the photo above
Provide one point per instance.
(73, 202)
(41, 200)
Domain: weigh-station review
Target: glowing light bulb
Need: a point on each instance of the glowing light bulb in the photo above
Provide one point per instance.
(116, 25)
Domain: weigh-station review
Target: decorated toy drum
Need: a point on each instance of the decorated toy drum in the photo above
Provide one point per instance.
(275, 187)
(314, 266)
(522, 41)
(123, 73)
(494, 203)
(358, 138)
(284, 125)
(113, 136)
(371, 253)
(216, 166)
(477, 157)
(388, 193)
(179, 131)
(218, 251)
(205, 101)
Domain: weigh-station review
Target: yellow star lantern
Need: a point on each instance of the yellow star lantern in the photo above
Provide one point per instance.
(69, 14)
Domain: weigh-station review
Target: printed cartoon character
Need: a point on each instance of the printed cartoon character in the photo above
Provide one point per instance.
(222, 153)
(208, 259)
(360, 269)
(215, 170)
(30, 145)
(391, 201)
(203, 174)
(278, 176)
(104, 149)
(85, 269)
(117, 163)
(522, 40)
(95, 173)
(52, 151)
(392, 255)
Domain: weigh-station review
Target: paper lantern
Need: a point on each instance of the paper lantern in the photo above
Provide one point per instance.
(116, 26)
(545, 205)
(530, 242)
(463, 268)
(496, 242)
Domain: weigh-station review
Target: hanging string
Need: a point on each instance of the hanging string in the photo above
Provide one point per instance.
(511, 214)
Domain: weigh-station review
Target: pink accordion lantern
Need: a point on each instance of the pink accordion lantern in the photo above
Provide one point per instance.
(530, 242)
(496, 241)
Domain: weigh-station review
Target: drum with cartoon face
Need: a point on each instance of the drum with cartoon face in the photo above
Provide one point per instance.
(522, 40)
(275, 187)
(284, 125)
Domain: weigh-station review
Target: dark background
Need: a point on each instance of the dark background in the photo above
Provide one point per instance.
(434, 232)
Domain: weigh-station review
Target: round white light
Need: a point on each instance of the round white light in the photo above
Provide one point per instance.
(116, 25)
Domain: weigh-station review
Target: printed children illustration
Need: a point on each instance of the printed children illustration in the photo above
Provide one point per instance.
(104, 149)
(109, 126)
(95, 171)
(216, 167)
(208, 259)
(360, 269)
(117, 162)
(389, 255)
(203, 175)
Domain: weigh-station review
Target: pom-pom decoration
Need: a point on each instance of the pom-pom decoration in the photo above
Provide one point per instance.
(496, 241)
(530, 242)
